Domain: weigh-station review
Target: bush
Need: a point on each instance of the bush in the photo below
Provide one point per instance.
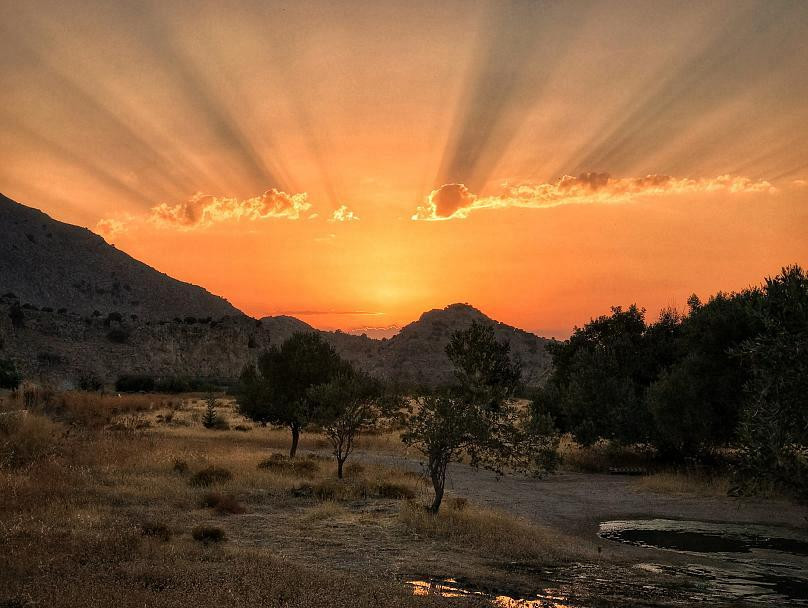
(180, 466)
(25, 438)
(286, 466)
(363, 489)
(223, 504)
(90, 382)
(9, 376)
(209, 476)
(208, 534)
(156, 530)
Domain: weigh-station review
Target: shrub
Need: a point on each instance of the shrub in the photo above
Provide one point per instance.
(211, 420)
(388, 489)
(156, 530)
(223, 504)
(208, 534)
(90, 382)
(242, 428)
(209, 476)
(281, 464)
(9, 376)
(457, 503)
(180, 466)
(25, 437)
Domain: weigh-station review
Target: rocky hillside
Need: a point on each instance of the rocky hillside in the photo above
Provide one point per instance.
(53, 265)
(417, 354)
(61, 347)
(72, 305)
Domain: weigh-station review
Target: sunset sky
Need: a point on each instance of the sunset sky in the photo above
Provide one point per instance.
(356, 163)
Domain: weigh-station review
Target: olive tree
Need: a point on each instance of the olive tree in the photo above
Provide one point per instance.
(277, 389)
(344, 407)
(478, 416)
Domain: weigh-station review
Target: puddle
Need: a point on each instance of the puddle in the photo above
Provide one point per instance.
(451, 588)
(704, 537)
(763, 564)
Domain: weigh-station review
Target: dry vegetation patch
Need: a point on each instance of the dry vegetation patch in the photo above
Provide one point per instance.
(124, 518)
(695, 483)
(492, 533)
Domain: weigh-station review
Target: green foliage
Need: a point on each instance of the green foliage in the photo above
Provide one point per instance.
(344, 407)
(9, 376)
(732, 372)
(477, 417)
(774, 424)
(210, 419)
(483, 367)
(600, 376)
(277, 390)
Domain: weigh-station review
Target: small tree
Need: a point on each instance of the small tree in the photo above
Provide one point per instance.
(276, 391)
(478, 416)
(345, 407)
(210, 419)
(9, 376)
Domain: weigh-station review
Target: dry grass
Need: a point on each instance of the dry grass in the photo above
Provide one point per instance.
(689, 483)
(323, 511)
(110, 518)
(26, 437)
(598, 458)
(492, 532)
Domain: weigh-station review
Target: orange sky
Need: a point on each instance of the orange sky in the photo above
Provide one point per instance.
(293, 157)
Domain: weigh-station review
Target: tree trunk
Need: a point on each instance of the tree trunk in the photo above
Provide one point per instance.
(438, 496)
(295, 439)
(339, 468)
(437, 472)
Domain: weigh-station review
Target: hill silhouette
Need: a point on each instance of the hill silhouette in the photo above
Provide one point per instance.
(47, 263)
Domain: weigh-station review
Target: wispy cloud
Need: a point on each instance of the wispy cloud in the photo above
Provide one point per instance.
(343, 214)
(455, 201)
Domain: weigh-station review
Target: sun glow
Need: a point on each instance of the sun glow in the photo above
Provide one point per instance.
(587, 154)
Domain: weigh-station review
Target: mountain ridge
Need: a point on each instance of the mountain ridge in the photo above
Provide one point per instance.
(72, 305)
(53, 264)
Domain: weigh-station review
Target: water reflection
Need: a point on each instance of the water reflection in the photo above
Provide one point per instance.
(755, 563)
(451, 588)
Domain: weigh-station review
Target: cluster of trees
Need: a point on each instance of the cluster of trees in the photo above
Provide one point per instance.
(304, 382)
(730, 373)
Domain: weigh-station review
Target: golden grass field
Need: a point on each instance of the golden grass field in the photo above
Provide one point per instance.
(130, 501)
